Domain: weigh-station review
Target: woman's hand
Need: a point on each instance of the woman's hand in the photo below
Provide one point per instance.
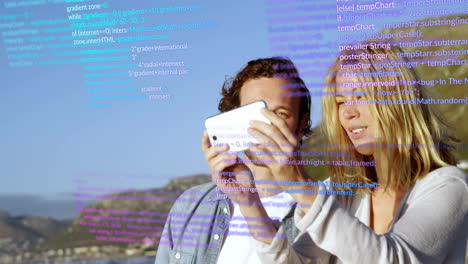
(278, 150)
(277, 147)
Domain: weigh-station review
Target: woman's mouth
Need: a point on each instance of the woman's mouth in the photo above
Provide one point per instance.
(357, 132)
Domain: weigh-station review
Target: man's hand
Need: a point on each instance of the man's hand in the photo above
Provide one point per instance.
(229, 173)
(239, 188)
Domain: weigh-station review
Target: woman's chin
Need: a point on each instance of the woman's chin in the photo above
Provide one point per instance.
(366, 148)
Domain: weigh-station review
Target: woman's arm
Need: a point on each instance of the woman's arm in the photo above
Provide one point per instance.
(303, 250)
(435, 217)
(272, 242)
(277, 144)
(433, 221)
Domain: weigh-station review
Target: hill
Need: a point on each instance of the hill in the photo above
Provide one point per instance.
(30, 238)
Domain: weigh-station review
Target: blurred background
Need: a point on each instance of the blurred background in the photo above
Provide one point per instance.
(103, 104)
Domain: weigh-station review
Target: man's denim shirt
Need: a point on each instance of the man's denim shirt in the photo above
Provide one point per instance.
(197, 224)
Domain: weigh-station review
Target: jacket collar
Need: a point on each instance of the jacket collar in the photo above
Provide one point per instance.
(215, 194)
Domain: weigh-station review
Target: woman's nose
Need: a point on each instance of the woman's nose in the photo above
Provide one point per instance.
(351, 111)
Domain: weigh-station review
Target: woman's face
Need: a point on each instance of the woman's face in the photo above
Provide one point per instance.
(355, 116)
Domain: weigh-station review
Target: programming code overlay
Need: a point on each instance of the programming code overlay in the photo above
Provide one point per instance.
(313, 33)
(119, 53)
(115, 214)
(110, 213)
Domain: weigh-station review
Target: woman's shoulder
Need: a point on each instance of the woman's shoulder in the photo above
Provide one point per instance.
(450, 178)
(445, 174)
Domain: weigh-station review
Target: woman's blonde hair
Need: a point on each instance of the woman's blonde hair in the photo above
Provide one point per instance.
(413, 134)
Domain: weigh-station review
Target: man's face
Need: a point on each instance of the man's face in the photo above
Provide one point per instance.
(271, 91)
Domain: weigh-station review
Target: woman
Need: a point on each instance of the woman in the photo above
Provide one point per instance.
(418, 215)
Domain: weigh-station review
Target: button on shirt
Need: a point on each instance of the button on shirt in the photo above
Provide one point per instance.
(240, 246)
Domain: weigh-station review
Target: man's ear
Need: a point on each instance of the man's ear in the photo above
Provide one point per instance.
(302, 126)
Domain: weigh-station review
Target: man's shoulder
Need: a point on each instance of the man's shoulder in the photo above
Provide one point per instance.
(196, 194)
(199, 190)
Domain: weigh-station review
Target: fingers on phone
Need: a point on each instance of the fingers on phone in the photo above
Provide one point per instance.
(214, 151)
(223, 161)
(205, 143)
(281, 124)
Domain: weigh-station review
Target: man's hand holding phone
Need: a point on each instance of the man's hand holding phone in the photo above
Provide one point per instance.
(239, 189)
(229, 173)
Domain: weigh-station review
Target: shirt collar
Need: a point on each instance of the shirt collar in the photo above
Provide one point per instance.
(215, 194)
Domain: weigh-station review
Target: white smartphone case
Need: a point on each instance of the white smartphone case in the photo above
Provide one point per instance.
(231, 127)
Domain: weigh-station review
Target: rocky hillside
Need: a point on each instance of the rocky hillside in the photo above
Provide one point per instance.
(151, 200)
(24, 233)
(27, 239)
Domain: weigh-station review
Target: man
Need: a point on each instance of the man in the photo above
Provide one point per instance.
(231, 220)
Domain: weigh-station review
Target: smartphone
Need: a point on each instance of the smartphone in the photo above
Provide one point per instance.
(231, 127)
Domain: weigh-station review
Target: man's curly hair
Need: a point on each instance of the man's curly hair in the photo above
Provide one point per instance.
(275, 67)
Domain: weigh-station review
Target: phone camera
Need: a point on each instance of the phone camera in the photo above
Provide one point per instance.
(215, 138)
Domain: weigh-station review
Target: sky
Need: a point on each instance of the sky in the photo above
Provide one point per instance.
(52, 135)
